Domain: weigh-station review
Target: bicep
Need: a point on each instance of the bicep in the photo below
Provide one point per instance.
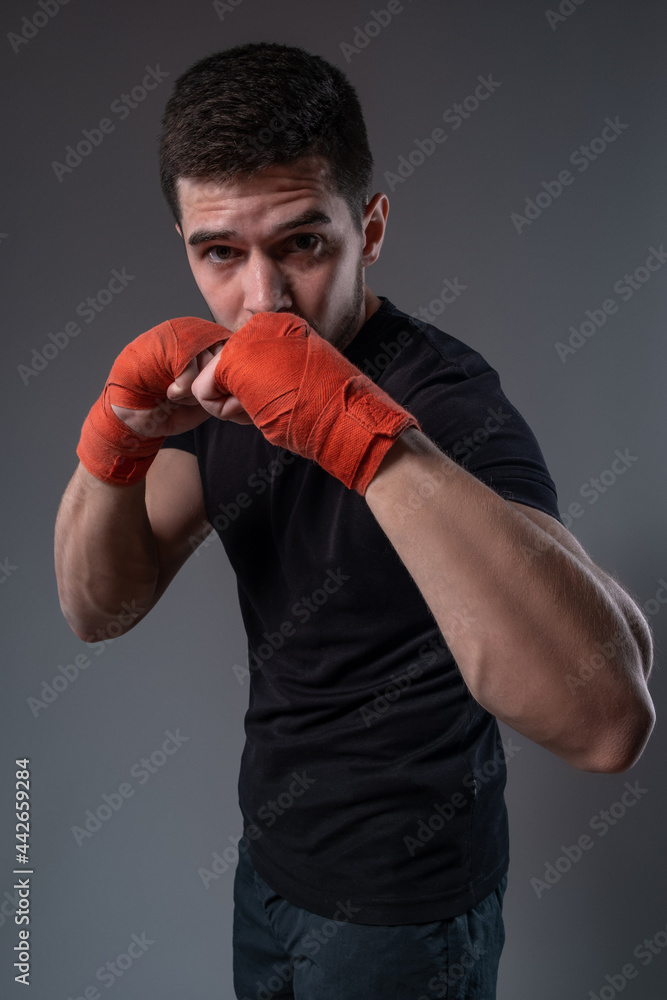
(176, 510)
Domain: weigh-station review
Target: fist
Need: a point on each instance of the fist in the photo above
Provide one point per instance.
(304, 395)
(179, 410)
(147, 396)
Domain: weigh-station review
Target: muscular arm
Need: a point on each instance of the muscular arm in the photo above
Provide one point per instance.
(120, 546)
(544, 639)
(525, 614)
(120, 538)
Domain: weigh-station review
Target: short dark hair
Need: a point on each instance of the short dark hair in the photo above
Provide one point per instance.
(239, 111)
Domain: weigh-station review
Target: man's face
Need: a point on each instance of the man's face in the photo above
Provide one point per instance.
(281, 241)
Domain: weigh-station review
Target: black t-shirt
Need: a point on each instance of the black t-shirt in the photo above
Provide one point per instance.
(370, 779)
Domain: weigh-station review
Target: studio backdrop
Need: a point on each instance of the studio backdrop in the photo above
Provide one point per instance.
(523, 152)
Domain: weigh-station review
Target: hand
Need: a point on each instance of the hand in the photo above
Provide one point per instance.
(304, 395)
(179, 410)
(207, 396)
(147, 396)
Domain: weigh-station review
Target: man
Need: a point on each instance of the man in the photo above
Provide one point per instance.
(404, 576)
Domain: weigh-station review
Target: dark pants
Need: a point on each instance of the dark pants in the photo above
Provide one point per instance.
(283, 952)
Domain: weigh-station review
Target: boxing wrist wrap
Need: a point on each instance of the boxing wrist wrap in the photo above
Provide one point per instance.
(139, 378)
(304, 395)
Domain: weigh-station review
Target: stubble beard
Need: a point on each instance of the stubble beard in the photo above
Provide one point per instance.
(349, 324)
(351, 320)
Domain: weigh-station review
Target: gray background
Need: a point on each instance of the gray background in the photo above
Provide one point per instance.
(60, 241)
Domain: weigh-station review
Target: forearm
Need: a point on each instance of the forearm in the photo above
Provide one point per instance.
(105, 555)
(518, 627)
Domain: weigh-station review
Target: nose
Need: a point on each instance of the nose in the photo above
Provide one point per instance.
(265, 287)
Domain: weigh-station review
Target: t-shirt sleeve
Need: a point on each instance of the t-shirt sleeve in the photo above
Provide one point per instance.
(184, 441)
(463, 408)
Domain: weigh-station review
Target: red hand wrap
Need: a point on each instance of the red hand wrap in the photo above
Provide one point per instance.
(142, 372)
(304, 395)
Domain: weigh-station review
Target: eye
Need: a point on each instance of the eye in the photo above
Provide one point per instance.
(219, 254)
(306, 237)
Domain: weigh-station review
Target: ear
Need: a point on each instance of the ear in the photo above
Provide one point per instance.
(374, 224)
(178, 229)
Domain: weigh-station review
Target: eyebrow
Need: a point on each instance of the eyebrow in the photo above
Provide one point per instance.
(311, 217)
